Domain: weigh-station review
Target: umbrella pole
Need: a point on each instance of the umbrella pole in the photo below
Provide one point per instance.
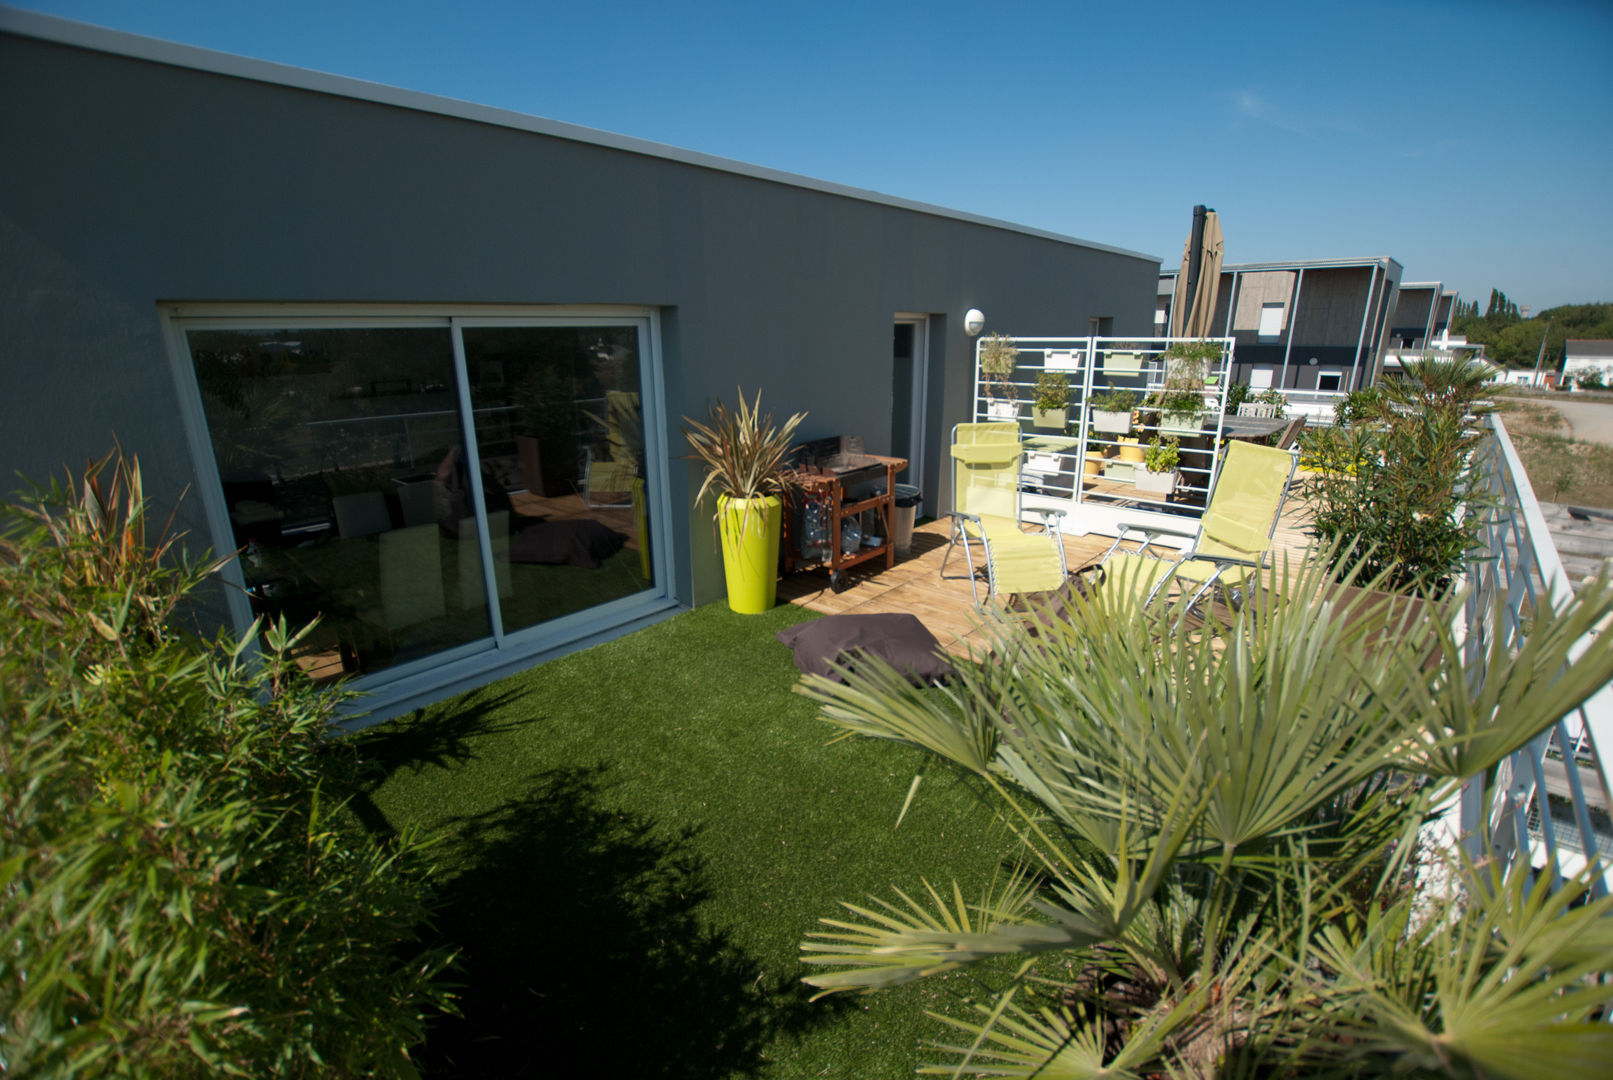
(1196, 255)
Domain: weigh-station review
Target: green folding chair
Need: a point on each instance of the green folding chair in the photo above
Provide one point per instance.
(986, 510)
(1228, 551)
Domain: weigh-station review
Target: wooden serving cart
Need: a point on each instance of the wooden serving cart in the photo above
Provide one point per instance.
(837, 481)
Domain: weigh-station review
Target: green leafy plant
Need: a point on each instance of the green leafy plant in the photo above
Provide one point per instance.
(1187, 361)
(1358, 406)
(1115, 400)
(1394, 486)
(745, 454)
(1178, 402)
(1163, 456)
(999, 355)
(1273, 397)
(186, 892)
(1220, 844)
(1237, 394)
(1052, 390)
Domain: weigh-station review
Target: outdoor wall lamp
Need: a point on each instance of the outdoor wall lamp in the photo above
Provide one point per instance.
(974, 321)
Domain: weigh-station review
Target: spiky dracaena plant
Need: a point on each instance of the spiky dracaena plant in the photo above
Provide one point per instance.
(745, 453)
(1217, 834)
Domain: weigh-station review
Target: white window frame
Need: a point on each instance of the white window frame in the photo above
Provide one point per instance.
(1271, 319)
(399, 688)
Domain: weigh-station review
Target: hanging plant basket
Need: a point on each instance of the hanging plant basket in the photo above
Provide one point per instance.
(1111, 423)
(1002, 410)
(1056, 419)
(1181, 423)
(1162, 484)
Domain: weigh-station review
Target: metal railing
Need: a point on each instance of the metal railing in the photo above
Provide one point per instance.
(1546, 808)
(1056, 459)
(1316, 406)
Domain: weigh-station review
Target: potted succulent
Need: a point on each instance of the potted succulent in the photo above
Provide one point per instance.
(998, 358)
(746, 459)
(1160, 475)
(1111, 411)
(1052, 408)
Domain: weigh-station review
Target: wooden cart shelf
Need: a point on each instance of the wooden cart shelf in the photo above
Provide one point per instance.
(828, 490)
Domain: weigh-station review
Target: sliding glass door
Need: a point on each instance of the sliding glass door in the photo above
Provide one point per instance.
(426, 486)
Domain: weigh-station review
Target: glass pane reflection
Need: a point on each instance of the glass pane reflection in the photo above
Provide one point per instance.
(559, 425)
(342, 464)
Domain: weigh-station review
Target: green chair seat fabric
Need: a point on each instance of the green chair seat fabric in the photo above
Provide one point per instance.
(1233, 541)
(986, 510)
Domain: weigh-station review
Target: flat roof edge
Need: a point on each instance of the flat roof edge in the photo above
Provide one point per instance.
(70, 32)
(1296, 264)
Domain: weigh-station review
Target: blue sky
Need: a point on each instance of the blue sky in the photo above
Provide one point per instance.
(1471, 141)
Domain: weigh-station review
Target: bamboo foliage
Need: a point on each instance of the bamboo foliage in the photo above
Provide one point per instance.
(1220, 832)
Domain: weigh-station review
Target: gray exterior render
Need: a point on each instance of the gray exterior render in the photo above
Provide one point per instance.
(141, 182)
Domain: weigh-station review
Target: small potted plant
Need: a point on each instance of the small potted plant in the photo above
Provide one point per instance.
(1186, 362)
(1111, 411)
(1052, 401)
(1160, 474)
(1181, 411)
(998, 358)
(1096, 452)
(746, 456)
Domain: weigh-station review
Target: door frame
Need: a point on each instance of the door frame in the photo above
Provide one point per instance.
(918, 394)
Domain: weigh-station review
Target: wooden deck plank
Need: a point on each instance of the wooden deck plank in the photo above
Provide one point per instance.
(944, 605)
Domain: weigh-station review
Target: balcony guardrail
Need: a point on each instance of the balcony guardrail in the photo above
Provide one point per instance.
(1546, 808)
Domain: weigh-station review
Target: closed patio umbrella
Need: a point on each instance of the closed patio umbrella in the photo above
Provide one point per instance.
(1199, 281)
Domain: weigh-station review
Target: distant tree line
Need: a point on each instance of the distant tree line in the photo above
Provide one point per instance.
(1514, 341)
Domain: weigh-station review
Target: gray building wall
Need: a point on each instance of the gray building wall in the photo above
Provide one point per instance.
(125, 183)
(1325, 322)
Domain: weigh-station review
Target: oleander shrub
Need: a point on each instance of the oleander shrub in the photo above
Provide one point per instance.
(1393, 490)
(185, 893)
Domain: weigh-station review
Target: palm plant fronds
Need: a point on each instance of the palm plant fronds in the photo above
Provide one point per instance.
(745, 453)
(1222, 829)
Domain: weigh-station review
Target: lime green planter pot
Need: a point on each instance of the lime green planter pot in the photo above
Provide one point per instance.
(750, 539)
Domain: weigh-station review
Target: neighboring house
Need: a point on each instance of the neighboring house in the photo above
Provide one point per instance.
(313, 301)
(1319, 325)
(1584, 355)
(1420, 326)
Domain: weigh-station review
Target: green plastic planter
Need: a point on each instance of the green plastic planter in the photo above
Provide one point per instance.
(750, 539)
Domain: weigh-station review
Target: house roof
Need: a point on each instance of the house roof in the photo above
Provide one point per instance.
(1383, 261)
(100, 39)
(1588, 347)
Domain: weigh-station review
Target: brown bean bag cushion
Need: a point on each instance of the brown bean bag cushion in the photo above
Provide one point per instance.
(898, 639)
(578, 542)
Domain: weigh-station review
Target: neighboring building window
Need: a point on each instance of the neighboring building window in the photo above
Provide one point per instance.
(1329, 380)
(346, 469)
(1260, 379)
(1271, 320)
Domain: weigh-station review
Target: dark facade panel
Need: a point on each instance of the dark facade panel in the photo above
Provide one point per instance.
(128, 183)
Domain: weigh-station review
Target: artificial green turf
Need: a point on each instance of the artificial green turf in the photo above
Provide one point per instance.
(636, 840)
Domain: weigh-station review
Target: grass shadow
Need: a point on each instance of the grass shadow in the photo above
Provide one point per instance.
(583, 952)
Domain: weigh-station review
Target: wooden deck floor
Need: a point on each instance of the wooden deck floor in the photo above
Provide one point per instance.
(915, 585)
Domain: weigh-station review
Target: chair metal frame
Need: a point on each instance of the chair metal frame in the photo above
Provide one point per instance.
(962, 519)
(1152, 534)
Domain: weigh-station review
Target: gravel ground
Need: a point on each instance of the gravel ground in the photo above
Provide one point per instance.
(1590, 420)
